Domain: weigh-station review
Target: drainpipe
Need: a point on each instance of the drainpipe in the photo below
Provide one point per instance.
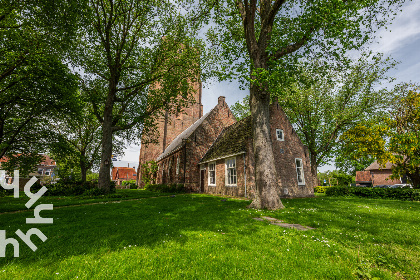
(245, 173)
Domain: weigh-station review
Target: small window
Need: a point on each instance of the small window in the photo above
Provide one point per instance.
(280, 134)
(212, 174)
(177, 166)
(231, 172)
(299, 171)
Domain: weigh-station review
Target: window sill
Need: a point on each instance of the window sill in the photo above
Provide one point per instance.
(231, 185)
(211, 185)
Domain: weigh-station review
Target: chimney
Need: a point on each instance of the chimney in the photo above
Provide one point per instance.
(128, 165)
(221, 100)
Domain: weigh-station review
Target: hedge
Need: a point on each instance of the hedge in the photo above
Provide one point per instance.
(321, 189)
(165, 188)
(397, 193)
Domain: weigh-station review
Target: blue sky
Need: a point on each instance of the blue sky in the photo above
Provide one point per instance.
(401, 41)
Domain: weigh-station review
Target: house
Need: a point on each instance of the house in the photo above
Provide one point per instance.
(44, 170)
(375, 175)
(121, 174)
(215, 155)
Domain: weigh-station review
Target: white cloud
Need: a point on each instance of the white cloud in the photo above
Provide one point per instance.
(404, 29)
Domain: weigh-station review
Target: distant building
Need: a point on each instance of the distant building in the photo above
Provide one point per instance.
(121, 174)
(44, 169)
(375, 175)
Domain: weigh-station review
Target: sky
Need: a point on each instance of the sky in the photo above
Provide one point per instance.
(401, 41)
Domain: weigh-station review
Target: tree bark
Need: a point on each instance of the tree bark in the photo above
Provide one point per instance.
(265, 171)
(104, 171)
(314, 169)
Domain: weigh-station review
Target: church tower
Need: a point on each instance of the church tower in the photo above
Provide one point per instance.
(170, 126)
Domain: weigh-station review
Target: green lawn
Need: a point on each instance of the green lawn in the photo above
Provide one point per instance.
(10, 204)
(203, 237)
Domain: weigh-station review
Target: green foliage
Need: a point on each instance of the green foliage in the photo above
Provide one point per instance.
(335, 177)
(394, 138)
(241, 109)
(75, 188)
(388, 193)
(149, 172)
(321, 189)
(130, 184)
(25, 163)
(165, 188)
(34, 82)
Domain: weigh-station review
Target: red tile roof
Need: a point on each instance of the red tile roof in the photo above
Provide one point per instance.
(125, 173)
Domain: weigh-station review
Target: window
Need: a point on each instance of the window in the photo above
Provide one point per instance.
(231, 172)
(177, 166)
(299, 171)
(48, 172)
(212, 174)
(163, 169)
(280, 134)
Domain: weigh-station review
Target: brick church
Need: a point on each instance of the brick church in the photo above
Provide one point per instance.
(213, 153)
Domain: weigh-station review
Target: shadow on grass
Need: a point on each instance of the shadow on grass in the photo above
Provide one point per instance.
(94, 229)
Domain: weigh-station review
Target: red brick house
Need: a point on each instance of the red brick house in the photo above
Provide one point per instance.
(215, 155)
(121, 174)
(375, 175)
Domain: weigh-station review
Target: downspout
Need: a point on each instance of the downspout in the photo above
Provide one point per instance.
(245, 173)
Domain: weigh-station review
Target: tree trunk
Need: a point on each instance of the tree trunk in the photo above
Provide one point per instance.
(314, 169)
(415, 180)
(104, 171)
(83, 171)
(265, 171)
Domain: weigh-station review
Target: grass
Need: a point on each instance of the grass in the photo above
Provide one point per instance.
(203, 237)
(8, 204)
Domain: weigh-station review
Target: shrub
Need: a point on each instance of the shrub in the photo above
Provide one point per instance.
(76, 188)
(130, 184)
(321, 189)
(165, 188)
(401, 194)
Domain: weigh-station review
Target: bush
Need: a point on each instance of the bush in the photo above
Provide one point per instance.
(165, 188)
(321, 189)
(76, 188)
(130, 184)
(401, 194)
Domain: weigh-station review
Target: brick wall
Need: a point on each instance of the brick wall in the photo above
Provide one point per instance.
(285, 153)
(381, 177)
(197, 145)
(169, 127)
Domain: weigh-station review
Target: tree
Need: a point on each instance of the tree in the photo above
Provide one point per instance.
(395, 139)
(78, 141)
(262, 40)
(323, 103)
(34, 83)
(138, 57)
(323, 106)
(241, 109)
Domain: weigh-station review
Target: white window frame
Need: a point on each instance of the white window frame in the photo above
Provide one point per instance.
(277, 134)
(301, 170)
(177, 166)
(211, 170)
(235, 176)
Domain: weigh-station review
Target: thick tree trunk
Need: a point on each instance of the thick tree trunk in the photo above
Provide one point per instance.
(314, 169)
(83, 172)
(104, 171)
(265, 171)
